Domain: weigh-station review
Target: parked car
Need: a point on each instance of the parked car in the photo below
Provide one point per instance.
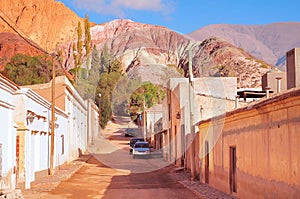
(133, 141)
(141, 149)
(129, 132)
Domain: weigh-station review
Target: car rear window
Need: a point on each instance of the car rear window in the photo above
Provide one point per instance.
(133, 141)
(141, 145)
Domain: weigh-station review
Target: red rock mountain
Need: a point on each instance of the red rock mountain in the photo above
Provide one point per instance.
(267, 42)
(46, 22)
(12, 44)
(142, 46)
(151, 52)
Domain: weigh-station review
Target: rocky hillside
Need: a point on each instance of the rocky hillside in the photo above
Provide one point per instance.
(12, 44)
(140, 46)
(224, 59)
(45, 22)
(267, 42)
(154, 53)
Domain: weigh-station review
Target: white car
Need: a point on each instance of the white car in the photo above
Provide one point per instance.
(141, 149)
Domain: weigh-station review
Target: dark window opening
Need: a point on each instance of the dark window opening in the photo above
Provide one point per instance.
(232, 172)
(206, 162)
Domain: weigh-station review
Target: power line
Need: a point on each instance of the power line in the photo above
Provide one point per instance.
(18, 33)
(25, 38)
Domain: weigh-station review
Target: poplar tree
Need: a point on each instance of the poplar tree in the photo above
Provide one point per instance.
(79, 48)
(87, 40)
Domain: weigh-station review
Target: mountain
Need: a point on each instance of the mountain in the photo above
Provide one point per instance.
(142, 46)
(12, 44)
(267, 42)
(151, 52)
(46, 22)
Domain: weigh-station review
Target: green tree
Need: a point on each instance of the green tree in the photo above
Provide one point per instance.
(115, 66)
(103, 77)
(106, 112)
(77, 53)
(121, 94)
(87, 40)
(145, 97)
(110, 70)
(106, 85)
(79, 45)
(27, 70)
(105, 59)
(94, 73)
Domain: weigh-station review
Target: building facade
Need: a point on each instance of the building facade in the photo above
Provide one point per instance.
(153, 115)
(252, 152)
(187, 103)
(8, 172)
(293, 68)
(26, 122)
(274, 81)
(69, 100)
(33, 119)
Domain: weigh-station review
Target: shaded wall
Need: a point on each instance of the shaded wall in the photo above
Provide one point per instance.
(266, 139)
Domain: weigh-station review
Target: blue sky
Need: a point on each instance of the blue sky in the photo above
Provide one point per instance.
(185, 16)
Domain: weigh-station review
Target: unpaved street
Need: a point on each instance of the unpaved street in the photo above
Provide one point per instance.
(112, 173)
(98, 181)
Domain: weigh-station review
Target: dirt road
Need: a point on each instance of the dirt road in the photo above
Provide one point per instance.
(112, 173)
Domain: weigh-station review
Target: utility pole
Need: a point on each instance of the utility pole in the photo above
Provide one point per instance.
(51, 169)
(99, 108)
(192, 129)
(144, 119)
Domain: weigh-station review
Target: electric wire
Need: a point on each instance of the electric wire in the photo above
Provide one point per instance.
(18, 33)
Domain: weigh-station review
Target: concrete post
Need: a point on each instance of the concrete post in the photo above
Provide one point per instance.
(52, 165)
(278, 84)
(237, 97)
(268, 91)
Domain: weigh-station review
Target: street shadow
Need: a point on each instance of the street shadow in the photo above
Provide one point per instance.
(93, 160)
(155, 184)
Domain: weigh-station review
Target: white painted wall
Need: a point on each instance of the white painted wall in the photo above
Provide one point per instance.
(8, 134)
(152, 116)
(76, 108)
(93, 121)
(37, 145)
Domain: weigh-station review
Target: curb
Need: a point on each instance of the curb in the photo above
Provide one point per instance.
(46, 184)
(199, 195)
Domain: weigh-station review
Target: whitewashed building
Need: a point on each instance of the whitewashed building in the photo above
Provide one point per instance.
(69, 100)
(7, 135)
(93, 121)
(33, 117)
(153, 115)
(25, 140)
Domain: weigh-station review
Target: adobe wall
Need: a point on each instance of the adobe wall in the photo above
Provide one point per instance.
(266, 138)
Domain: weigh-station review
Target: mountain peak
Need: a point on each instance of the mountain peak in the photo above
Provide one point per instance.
(267, 42)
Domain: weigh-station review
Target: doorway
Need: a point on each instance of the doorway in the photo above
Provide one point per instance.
(206, 162)
(175, 153)
(182, 146)
(232, 171)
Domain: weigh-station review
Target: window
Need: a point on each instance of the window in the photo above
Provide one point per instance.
(62, 144)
